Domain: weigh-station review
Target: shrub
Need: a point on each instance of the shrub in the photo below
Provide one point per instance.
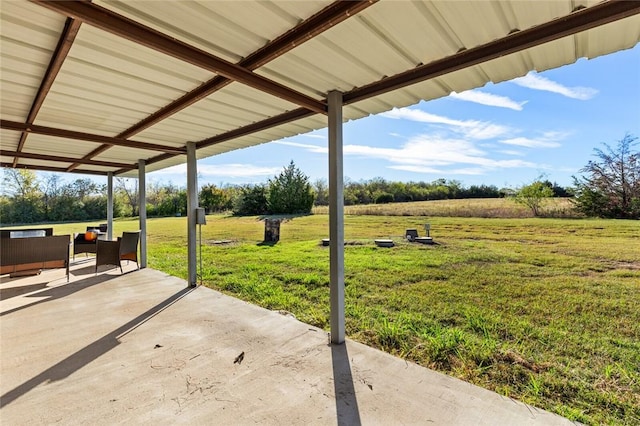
(611, 187)
(533, 196)
(384, 198)
(252, 200)
(290, 192)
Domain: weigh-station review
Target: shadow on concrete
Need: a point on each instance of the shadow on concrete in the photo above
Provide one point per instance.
(89, 353)
(87, 270)
(8, 293)
(346, 402)
(59, 292)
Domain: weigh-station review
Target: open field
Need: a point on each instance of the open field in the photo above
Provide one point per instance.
(542, 310)
(472, 207)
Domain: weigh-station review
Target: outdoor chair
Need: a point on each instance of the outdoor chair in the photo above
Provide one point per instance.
(114, 252)
(82, 245)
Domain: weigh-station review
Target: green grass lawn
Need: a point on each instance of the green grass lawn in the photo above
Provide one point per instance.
(546, 311)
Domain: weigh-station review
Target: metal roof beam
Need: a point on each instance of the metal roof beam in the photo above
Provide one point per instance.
(71, 27)
(52, 169)
(70, 134)
(99, 150)
(121, 26)
(313, 26)
(581, 20)
(309, 28)
(277, 120)
(59, 159)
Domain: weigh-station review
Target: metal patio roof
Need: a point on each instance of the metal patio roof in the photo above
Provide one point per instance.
(94, 87)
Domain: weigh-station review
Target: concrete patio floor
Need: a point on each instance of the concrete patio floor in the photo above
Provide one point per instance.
(141, 348)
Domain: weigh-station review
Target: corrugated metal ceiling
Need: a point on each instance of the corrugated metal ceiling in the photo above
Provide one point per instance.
(113, 86)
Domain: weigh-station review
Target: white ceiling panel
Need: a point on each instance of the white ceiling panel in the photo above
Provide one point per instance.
(240, 27)
(9, 140)
(58, 146)
(15, 102)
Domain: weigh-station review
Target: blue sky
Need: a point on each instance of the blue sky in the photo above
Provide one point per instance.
(505, 134)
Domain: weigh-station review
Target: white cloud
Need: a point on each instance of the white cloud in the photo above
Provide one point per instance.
(420, 116)
(511, 152)
(223, 170)
(422, 150)
(428, 154)
(469, 171)
(489, 99)
(472, 129)
(531, 143)
(424, 153)
(431, 170)
(418, 169)
(311, 148)
(315, 136)
(554, 135)
(480, 130)
(537, 82)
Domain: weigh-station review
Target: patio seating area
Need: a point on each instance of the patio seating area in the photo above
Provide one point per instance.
(143, 348)
(27, 251)
(82, 244)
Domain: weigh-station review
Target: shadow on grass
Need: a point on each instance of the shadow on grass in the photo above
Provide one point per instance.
(89, 353)
(346, 403)
(282, 217)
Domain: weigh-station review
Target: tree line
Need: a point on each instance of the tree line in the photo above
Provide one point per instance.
(609, 187)
(29, 199)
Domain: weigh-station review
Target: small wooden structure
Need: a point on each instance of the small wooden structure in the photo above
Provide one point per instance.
(272, 230)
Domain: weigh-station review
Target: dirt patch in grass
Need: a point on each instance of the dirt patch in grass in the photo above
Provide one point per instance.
(513, 357)
(627, 265)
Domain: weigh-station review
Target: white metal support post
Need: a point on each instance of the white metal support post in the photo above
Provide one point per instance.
(110, 206)
(336, 219)
(192, 205)
(142, 209)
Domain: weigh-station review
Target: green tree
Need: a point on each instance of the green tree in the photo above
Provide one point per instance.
(215, 199)
(252, 200)
(611, 185)
(25, 197)
(290, 192)
(357, 193)
(127, 189)
(384, 198)
(322, 192)
(83, 188)
(166, 200)
(534, 195)
(51, 189)
(31, 198)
